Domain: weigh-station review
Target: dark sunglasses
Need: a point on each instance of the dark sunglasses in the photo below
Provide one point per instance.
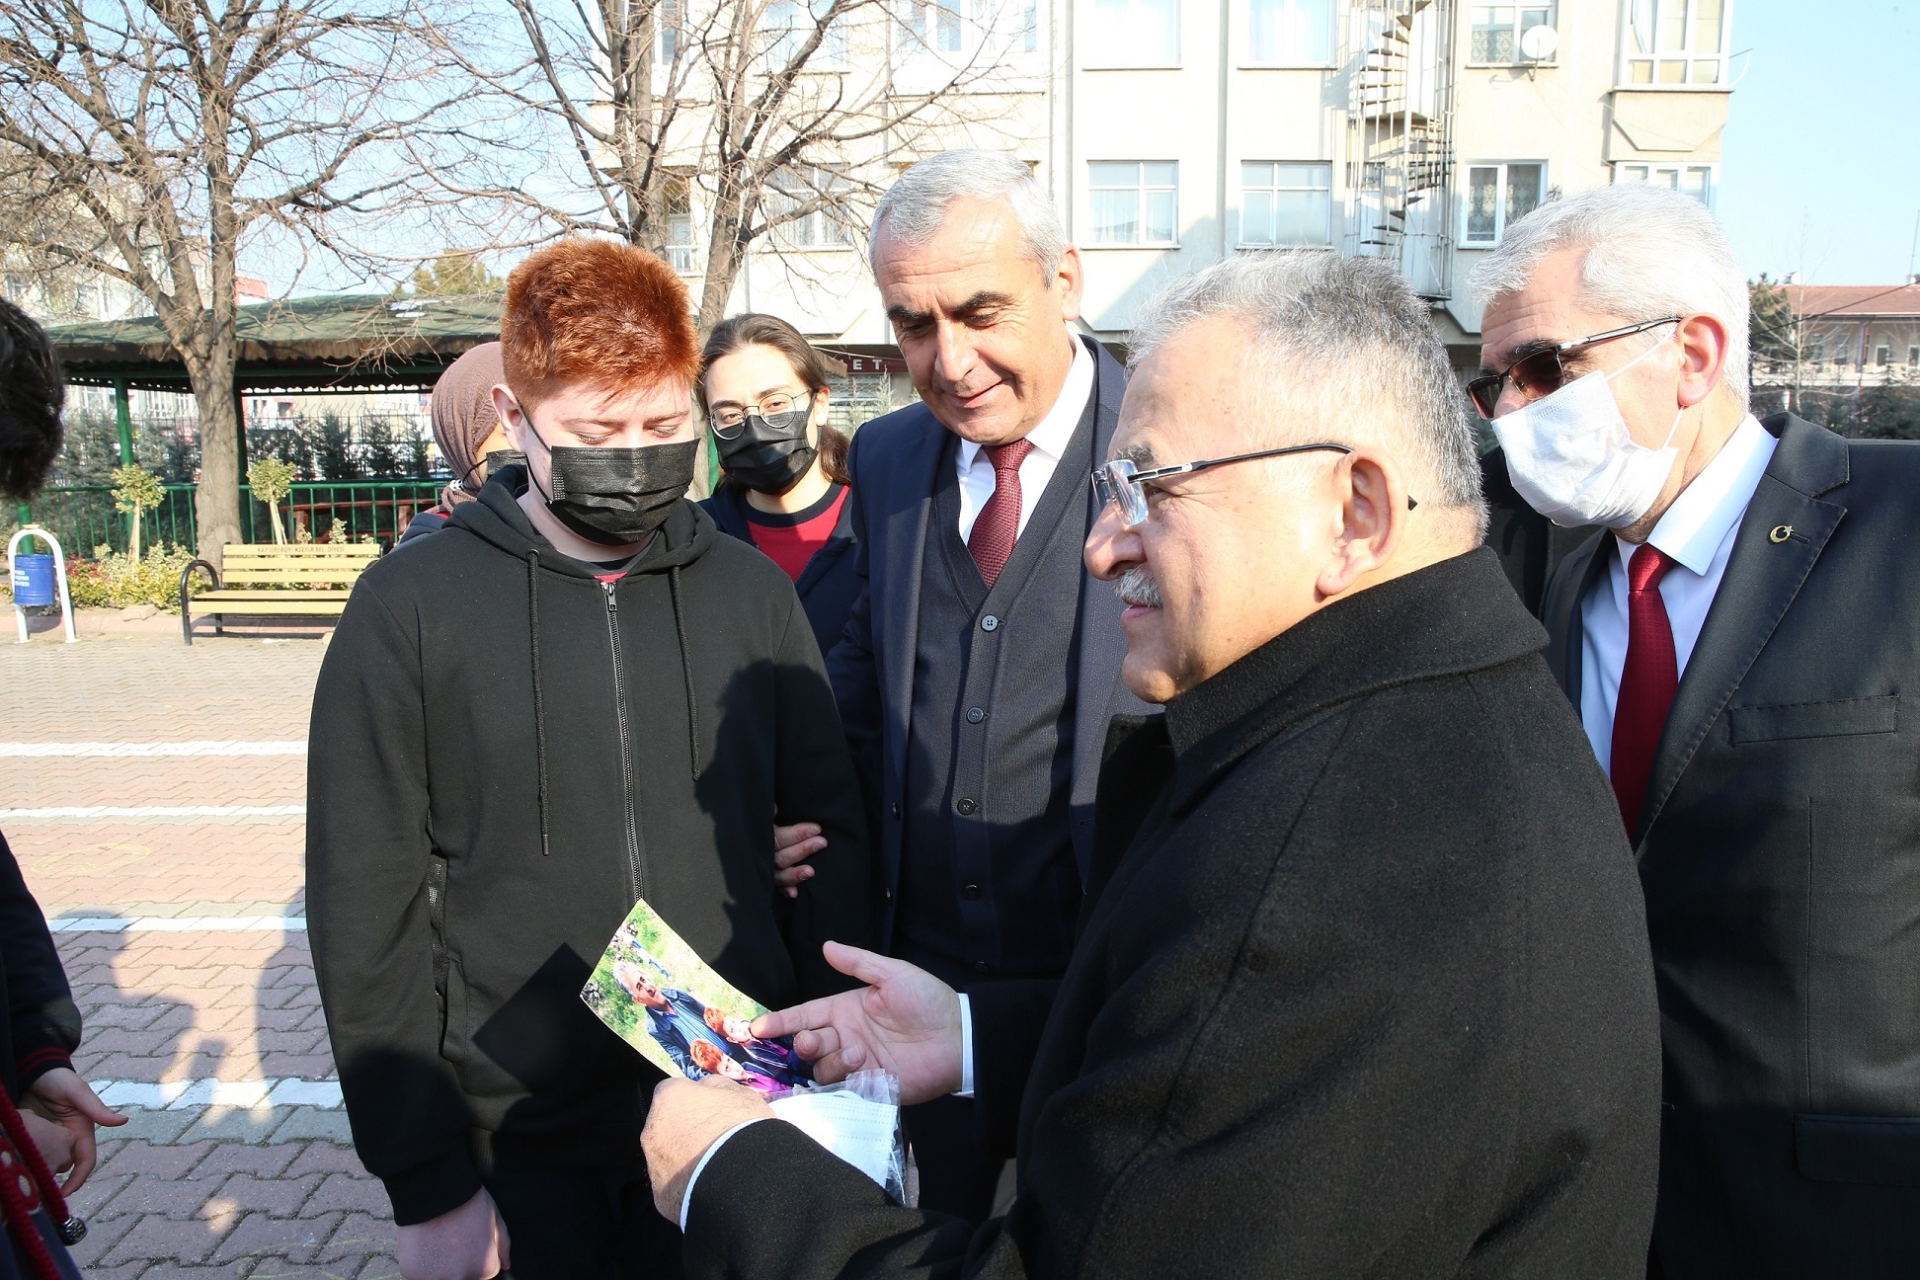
(1542, 373)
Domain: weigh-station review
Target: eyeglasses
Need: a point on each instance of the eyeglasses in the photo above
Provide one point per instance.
(1122, 483)
(781, 412)
(1542, 373)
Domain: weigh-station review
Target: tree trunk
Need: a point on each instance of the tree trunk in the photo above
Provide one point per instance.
(725, 251)
(133, 535)
(216, 499)
(279, 531)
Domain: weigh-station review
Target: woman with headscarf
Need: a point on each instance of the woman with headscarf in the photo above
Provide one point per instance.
(468, 432)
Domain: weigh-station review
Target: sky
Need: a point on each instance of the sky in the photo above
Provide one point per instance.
(1820, 163)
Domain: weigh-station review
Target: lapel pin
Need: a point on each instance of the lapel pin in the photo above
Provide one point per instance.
(1780, 533)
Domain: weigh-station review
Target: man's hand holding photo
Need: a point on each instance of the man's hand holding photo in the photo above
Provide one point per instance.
(904, 1020)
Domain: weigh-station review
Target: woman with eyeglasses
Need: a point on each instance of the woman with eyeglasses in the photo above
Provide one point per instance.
(783, 486)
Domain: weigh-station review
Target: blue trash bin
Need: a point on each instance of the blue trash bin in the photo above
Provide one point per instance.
(33, 580)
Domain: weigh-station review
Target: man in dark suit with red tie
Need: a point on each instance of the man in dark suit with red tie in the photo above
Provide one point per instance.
(1737, 642)
(981, 662)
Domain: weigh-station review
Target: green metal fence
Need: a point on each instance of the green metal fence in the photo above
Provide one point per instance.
(83, 516)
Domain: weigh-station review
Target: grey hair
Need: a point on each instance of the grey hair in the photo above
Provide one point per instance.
(1345, 341)
(1650, 251)
(914, 207)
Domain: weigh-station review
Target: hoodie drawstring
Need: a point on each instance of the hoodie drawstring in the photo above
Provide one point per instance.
(686, 670)
(18, 1190)
(539, 707)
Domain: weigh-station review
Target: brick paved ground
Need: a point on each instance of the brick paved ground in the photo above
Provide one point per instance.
(237, 1164)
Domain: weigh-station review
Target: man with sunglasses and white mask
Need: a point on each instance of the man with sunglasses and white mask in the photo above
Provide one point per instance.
(1737, 644)
(1362, 985)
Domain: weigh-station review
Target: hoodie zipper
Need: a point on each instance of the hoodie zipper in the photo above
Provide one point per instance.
(636, 870)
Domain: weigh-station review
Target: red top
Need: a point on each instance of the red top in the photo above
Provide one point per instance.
(790, 539)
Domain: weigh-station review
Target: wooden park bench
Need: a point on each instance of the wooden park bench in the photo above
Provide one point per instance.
(310, 579)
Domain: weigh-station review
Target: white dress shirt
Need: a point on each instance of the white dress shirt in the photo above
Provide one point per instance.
(964, 1091)
(1697, 532)
(1049, 437)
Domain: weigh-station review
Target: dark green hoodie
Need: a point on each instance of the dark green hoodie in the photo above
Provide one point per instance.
(506, 752)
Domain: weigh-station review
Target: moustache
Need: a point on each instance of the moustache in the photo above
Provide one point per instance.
(1136, 587)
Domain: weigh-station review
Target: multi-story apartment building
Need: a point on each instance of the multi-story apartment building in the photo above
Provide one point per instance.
(1175, 132)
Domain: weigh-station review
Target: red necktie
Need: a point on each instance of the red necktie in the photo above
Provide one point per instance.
(998, 525)
(1647, 684)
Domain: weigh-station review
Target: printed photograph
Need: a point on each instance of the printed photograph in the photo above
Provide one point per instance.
(660, 997)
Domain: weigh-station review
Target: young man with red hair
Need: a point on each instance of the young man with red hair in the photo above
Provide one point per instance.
(575, 696)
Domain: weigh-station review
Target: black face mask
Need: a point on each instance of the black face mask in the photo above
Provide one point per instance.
(500, 459)
(619, 496)
(767, 458)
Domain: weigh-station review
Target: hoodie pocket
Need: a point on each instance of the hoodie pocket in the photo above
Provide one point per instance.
(480, 1076)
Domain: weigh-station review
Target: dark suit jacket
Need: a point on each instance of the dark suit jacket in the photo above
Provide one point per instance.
(1367, 995)
(1529, 545)
(894, 465)
(827, 587)
(1780, 852)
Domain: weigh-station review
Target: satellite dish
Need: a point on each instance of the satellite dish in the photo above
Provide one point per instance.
(1537, 44)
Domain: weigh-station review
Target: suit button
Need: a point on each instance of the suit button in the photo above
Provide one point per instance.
(975, 715)
(979, 966)
(896, 810)
(971, 892)
(966, 805)
(888, 895)
(989, 623)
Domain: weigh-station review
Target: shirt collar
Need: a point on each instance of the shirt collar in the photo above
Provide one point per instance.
(1052, 434)
(1694, 526)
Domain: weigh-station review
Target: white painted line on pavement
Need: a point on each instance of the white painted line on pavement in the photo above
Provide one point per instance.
(177, 924)
(198, 748)
(161, 811)
(187, 1095)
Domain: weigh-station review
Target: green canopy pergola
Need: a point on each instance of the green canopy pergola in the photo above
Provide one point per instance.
(342, 342)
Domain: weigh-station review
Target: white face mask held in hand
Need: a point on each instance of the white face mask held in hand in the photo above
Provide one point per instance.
(1572, 458)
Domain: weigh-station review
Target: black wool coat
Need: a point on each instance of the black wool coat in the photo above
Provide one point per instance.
(1362, 989)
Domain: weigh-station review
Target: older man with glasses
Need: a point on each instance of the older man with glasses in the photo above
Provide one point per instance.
(1362, 987)
(1737, 638)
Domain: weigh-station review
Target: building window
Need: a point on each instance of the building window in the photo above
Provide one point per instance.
(959, 28)
(1499, 194)
(1499, 32)
(1290, 33)
(1283, 203)
(1672, 42)
(1694, 179)
(667, 31)
(679, 213)
(787, 25)
(1883, 356)
(806, 207)
(1913, 357)
(1134, 201)
(1134, 33)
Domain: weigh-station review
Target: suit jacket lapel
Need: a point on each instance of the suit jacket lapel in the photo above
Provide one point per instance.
(1560, 612)
(1762, 578)
(906, 549)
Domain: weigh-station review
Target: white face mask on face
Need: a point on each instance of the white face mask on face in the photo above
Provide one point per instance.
(1572, 458)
